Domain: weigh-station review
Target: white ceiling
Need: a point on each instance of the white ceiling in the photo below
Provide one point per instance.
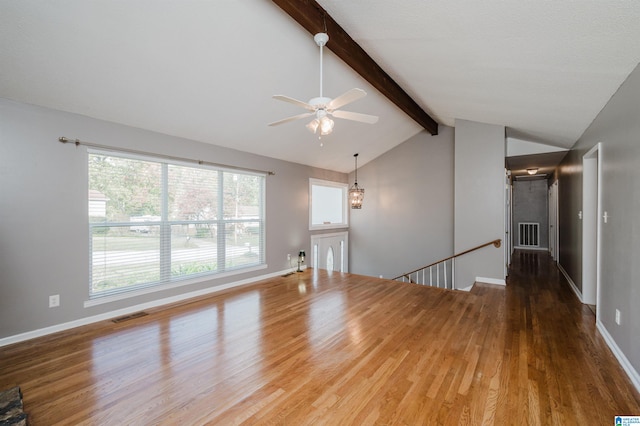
(206, 70)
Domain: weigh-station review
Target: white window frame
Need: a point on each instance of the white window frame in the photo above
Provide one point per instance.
(344, 187)
(134, 290)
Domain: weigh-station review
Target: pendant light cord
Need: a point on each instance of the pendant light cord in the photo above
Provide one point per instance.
(356, 181)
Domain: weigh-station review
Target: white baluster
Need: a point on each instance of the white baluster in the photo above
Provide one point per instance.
(445, 274)
(453, 273)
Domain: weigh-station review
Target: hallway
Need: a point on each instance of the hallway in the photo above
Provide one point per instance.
(567, 368)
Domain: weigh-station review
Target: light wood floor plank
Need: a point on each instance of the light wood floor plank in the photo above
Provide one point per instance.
(327, 348)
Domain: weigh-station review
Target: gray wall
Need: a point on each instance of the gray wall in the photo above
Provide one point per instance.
(569, 176)
(43, 211)
(618, 128)
(407, 216)
(531, 204)
(479, 200)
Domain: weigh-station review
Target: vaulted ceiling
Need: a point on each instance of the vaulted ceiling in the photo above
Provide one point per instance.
(206, 70)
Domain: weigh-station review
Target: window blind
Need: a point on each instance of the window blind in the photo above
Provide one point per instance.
(154, 222)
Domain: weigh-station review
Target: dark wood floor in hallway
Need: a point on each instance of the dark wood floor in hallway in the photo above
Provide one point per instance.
(330, 348)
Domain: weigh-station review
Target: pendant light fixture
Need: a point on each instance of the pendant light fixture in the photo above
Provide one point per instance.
(356, 194)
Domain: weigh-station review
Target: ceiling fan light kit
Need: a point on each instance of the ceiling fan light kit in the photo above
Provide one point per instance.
(323, 108)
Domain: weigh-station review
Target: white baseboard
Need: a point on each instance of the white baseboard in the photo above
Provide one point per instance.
(495, 281)
(624, 362)
(573, 285)
(132, 309)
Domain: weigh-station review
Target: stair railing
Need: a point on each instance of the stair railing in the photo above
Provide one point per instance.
(445, 267)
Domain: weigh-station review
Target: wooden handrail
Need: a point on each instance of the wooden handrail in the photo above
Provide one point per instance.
(496, 244)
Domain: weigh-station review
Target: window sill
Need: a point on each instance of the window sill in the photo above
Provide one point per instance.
(329, 226)
(100, 300)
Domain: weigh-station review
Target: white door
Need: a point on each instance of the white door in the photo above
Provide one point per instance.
(330, 251)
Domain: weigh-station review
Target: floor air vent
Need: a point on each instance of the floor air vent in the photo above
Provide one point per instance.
(528, 234)
(130, 317)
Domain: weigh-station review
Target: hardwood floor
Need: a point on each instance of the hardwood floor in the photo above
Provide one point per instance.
(319, 348)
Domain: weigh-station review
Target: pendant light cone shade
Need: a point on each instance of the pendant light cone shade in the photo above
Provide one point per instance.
(356, 194)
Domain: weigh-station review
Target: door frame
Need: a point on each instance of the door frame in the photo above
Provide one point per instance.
(591, 227)
(345, 253)
(508, 218)
(554, 234)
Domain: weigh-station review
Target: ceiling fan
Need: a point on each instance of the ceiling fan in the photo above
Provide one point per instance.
(324, 108)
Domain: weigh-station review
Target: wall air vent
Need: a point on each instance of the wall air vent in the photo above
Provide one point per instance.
(528, 234)
(130, 317)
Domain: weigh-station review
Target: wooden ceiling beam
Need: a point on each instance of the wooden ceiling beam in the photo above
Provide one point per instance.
(315, 19)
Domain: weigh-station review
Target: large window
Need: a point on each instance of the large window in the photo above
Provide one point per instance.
(154, 222)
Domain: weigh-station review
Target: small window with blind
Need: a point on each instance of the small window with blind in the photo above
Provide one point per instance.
(154, 222)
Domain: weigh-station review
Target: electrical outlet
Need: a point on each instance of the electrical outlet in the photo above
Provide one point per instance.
(618, 316)
(54, 301)
(288, 257)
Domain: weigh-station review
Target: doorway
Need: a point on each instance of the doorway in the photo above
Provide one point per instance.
(591, 212)
(330, 251)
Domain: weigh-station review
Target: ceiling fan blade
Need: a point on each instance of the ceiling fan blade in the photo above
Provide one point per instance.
(288, 119)
(346, 98)
(294, 101)
(355, 116)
